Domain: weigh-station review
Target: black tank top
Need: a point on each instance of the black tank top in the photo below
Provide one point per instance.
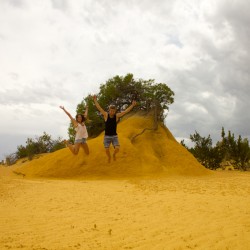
(110, 126)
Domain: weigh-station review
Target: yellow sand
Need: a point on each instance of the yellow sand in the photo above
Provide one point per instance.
(164, 201)
(152, 153)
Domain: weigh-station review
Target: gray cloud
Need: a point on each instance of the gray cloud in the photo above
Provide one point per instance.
(17, 3)
(60, 4)
(60, 51)
(40, 92)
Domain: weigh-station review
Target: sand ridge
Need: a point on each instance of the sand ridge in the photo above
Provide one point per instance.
(151, 153)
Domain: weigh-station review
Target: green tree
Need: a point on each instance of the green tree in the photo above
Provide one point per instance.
(39, 145)
(44, 143)
(243, 153)
(237, 151)
(57, 144)
(94, 123)
(204, 152)
(228, 149)
(31, 148)
(21, 152)
(182, 142)
(120, 91)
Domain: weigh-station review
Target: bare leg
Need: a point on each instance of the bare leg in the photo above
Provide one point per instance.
(74, 148)
(85, 148)
(115, 152)
(108, 154)
(65, 142)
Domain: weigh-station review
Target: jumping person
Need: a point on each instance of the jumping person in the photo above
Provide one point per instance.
(111, 118)
(81, 132)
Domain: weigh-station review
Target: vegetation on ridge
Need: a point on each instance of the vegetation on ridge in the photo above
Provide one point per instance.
(229, 151)
(120, 91)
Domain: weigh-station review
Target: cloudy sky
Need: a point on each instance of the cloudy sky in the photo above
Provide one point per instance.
(56, 52)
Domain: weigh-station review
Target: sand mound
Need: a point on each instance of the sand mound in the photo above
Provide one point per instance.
(151, 153)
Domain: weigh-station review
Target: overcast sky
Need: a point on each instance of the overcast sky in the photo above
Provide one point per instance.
(56, 52)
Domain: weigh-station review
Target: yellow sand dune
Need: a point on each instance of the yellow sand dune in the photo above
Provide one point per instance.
(189, 209)
(151, 153)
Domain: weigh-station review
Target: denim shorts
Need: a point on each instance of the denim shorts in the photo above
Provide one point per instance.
(83, 141)
(108, 139)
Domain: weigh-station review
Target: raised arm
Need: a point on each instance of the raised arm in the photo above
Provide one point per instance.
(99, 107)
(69, 115)
(126, 110)
(86, 112)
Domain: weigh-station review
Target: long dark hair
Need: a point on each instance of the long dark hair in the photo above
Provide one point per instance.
(83, 117)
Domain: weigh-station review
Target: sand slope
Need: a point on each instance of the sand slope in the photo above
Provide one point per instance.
(152, 153)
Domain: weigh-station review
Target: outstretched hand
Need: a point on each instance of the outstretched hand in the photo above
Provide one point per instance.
(134, 103)
(61, 107)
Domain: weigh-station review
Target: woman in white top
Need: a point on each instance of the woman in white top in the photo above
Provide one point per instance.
(81, 132)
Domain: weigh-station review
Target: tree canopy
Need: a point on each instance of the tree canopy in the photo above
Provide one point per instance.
(121, 91)
(236, 151)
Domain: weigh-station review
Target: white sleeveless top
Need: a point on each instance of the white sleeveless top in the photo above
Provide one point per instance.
(81, 131)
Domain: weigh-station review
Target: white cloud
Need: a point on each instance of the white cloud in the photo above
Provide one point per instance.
(56, 52)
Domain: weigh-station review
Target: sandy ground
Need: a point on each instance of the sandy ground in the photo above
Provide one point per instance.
(209, 212)
(59, 201)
